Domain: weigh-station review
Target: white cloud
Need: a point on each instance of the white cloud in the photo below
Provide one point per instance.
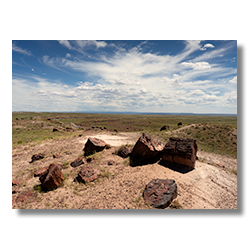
(208, 45)
(234, 80)
(98, 44)
(32, 70)
(20, 50)
(65, 43)
(196, 92)
(131, 79)
(197, 65)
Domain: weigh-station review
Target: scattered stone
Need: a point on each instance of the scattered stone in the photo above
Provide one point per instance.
(179, 123)
(124, 152)
(87, 174)
(146, 150)
(56, 130)
(37, 157)
(111, 162)
(52, 178)
(41, 171)
(16, 182)
(180, 152)
(90, 159)
(94, 145)
(166, 127)
(221, 165)
(115, 130)
(160, 193)
(56, 156)
(120, 168)
(25, 197)
(77, 162)
(69, 128)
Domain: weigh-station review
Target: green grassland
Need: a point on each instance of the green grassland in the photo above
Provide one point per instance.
(215, 133)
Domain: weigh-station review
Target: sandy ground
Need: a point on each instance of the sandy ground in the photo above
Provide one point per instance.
(206, 187)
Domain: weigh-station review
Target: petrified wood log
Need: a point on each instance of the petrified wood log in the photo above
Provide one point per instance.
(94, 145)
(180, 152)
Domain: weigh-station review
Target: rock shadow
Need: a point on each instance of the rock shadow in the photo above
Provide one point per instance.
(175, 166)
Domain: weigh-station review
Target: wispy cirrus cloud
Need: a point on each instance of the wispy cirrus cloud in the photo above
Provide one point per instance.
(21, 50)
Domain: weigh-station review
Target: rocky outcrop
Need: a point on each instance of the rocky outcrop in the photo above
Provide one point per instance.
(165, 127)
(159, 193)
(87, 174)
(180, 152)
(124, 152)
(93, 145)
(52, 178)
(77, 162)
(37, 157)
(146, 150)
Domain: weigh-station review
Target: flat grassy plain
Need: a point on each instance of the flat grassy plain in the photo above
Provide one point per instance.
(213, 133)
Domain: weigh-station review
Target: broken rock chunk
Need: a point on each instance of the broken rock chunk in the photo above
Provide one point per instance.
(159, 193)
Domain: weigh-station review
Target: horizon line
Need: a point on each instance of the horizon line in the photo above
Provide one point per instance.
(125, 112)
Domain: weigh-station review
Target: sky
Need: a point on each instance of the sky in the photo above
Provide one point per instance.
(162, 76)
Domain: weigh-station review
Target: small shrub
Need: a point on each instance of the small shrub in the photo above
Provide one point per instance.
(20, 142)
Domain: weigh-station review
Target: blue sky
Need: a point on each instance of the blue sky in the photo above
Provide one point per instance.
(135, 76)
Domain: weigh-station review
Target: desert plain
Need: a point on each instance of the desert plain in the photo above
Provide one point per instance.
(61, 137)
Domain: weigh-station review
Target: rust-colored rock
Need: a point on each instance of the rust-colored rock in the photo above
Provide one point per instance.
(179, 123)
(146, 150)
(124, 152)
(41, 171)
(77, 162)
(159, 193)
(16, 182)
(165, 127)
(221, 165)
(94, 145)
(180, 152)
(56, 156)
(90, 159)
(56, 130)
(37, 157)
(25, 197)
(52, 178)
(87, 174)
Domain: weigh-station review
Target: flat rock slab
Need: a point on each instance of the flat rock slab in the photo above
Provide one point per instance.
(159, 193)
(25, 197)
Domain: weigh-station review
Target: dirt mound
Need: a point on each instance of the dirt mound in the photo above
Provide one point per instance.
(120, 186)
